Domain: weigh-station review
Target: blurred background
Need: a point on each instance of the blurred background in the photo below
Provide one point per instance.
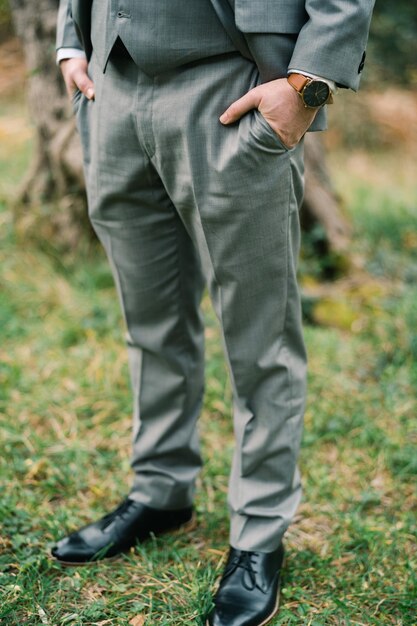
(64, 390)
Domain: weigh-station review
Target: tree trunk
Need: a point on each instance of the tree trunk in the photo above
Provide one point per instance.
(55, 178)
(321, 206)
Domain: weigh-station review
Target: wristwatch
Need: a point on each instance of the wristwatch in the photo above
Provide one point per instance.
(313, 92)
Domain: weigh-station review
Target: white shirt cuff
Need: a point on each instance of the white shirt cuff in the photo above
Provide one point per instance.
(69, 53)
(333, 87)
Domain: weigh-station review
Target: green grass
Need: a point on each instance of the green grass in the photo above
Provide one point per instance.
(65, 419)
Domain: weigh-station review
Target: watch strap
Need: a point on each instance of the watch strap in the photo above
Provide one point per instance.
(298, 81)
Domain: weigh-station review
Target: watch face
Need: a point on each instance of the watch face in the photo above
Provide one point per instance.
(316, 93)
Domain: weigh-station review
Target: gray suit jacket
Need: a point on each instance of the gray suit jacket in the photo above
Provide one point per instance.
(328, 37)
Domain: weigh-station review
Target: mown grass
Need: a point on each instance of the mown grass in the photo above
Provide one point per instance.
(65, 419)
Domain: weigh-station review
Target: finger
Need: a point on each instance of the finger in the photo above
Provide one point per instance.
(238, 108)
(84, 83)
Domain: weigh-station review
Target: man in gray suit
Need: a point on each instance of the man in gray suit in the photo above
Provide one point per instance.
(191, 117)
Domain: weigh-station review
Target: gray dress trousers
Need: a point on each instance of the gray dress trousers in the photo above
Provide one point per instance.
(179, 201)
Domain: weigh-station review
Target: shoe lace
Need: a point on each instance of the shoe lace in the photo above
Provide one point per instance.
(245, 561)
(120, 511)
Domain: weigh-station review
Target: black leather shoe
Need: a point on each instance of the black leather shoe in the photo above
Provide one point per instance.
(248, 593)
(130, 523)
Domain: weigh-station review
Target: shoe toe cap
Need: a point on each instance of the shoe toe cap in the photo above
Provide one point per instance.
(72, 549)
(224, 617)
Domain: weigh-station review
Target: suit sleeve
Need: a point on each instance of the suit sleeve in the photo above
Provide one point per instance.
(66, 33)
(332, 42)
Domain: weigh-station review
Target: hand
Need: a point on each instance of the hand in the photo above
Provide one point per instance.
(76, 77)
(280, 105)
